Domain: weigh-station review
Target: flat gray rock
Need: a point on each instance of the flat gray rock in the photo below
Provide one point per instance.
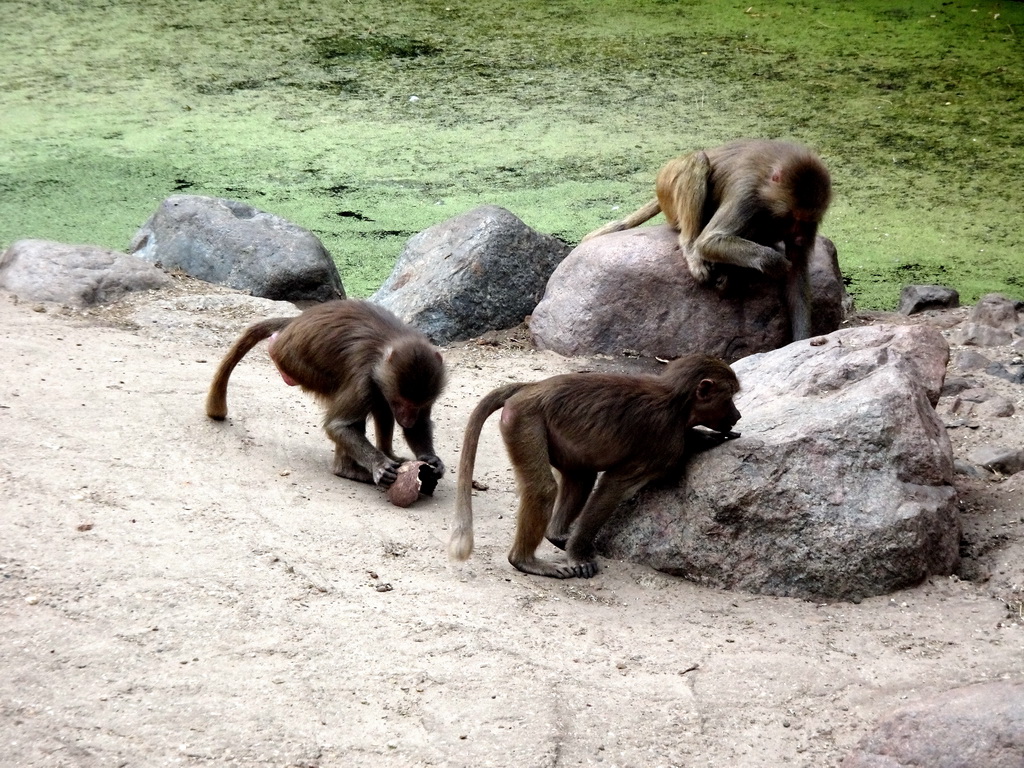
(78, 275)
(919, 298)
(979, 726)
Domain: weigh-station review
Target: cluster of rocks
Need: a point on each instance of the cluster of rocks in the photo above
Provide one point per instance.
(220, 241)
(983, 387)
(481, 271)
(869, 408)
(856, 406)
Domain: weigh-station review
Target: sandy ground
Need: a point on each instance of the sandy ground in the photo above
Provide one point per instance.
(177, 591)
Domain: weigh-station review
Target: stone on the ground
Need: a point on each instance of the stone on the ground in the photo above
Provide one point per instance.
(481, 271)
(231, 243)
(631, 291)
(77, 275)
(978, 726)
(840, 486)
(919, 298)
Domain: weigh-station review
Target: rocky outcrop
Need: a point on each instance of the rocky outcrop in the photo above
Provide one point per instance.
(840, 486)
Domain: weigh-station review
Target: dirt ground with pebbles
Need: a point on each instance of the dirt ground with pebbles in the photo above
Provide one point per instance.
(176, 591)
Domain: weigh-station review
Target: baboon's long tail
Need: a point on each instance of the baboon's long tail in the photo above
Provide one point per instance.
(217, 397)
(460, 546)
(635, 219)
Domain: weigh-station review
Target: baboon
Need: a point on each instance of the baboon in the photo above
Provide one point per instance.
(359, 360)
(750, 203)
(632, 429)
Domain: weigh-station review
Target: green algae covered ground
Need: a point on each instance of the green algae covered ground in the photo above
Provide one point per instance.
(368, 121)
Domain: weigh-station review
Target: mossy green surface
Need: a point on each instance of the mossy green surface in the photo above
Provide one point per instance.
(366, 122)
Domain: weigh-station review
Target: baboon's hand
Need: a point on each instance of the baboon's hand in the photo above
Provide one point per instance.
(386, 471)
(773, 263)
(435, 464)
(430, 472)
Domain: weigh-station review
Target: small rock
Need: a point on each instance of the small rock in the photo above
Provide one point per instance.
(976, 334)
(957, 406)
(997, 458)
(998, 407)
(969, 360)
(1013, 374)
(964, 468)
(955, 385)
(977, 395)
(995, 311)
(918, 298)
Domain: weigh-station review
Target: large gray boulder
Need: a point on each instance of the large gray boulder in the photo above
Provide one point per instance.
(840, 486)
(231, 243)
(979, 726)
(631, 290)
(77, 275)
(483, 270)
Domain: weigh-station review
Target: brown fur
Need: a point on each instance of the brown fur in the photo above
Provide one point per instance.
(359, 360)
(754, 204)
(631, 428)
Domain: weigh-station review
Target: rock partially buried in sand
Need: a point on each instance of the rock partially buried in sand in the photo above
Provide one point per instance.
(414, 478)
